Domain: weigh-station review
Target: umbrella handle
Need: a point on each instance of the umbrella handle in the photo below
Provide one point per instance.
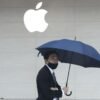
(69, 94)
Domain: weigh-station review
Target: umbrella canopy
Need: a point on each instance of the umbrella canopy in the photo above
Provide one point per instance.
(72, 51)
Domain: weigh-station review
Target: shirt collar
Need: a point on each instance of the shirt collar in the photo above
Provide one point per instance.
(50, 69)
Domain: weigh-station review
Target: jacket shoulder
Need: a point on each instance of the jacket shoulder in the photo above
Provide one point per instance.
(44, 71)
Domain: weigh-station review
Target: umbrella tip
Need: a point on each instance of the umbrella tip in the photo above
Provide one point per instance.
(75, 38)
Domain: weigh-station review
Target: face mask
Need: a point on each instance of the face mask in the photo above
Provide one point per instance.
(53, 66)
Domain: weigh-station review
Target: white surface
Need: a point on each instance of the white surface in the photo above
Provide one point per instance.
(19, 63)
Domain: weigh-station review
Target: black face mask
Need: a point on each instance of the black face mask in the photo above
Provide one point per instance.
(53, 66)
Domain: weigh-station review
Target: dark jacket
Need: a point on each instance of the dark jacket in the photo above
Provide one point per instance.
(44, 83)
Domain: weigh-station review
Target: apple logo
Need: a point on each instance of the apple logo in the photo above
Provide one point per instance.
(34, 20)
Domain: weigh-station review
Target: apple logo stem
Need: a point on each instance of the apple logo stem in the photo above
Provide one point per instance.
(34, 20)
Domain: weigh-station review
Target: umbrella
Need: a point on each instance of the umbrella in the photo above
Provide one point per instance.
(73, 52)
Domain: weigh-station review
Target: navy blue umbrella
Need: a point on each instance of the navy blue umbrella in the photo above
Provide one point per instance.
(73, 52)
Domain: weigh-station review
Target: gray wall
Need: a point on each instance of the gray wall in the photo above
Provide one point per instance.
(19, 63)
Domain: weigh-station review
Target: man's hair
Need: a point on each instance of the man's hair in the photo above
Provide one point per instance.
(48, 53)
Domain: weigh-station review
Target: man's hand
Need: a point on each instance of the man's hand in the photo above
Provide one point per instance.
(65, 89)
(54, 88)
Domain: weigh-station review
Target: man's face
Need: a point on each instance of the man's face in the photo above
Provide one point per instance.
(53, 58)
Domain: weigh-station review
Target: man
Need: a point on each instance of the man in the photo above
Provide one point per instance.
(47, 86)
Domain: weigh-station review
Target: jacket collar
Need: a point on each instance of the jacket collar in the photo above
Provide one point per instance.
(49, 69)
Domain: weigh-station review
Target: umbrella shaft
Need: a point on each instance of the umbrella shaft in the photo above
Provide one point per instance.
(68, 75)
